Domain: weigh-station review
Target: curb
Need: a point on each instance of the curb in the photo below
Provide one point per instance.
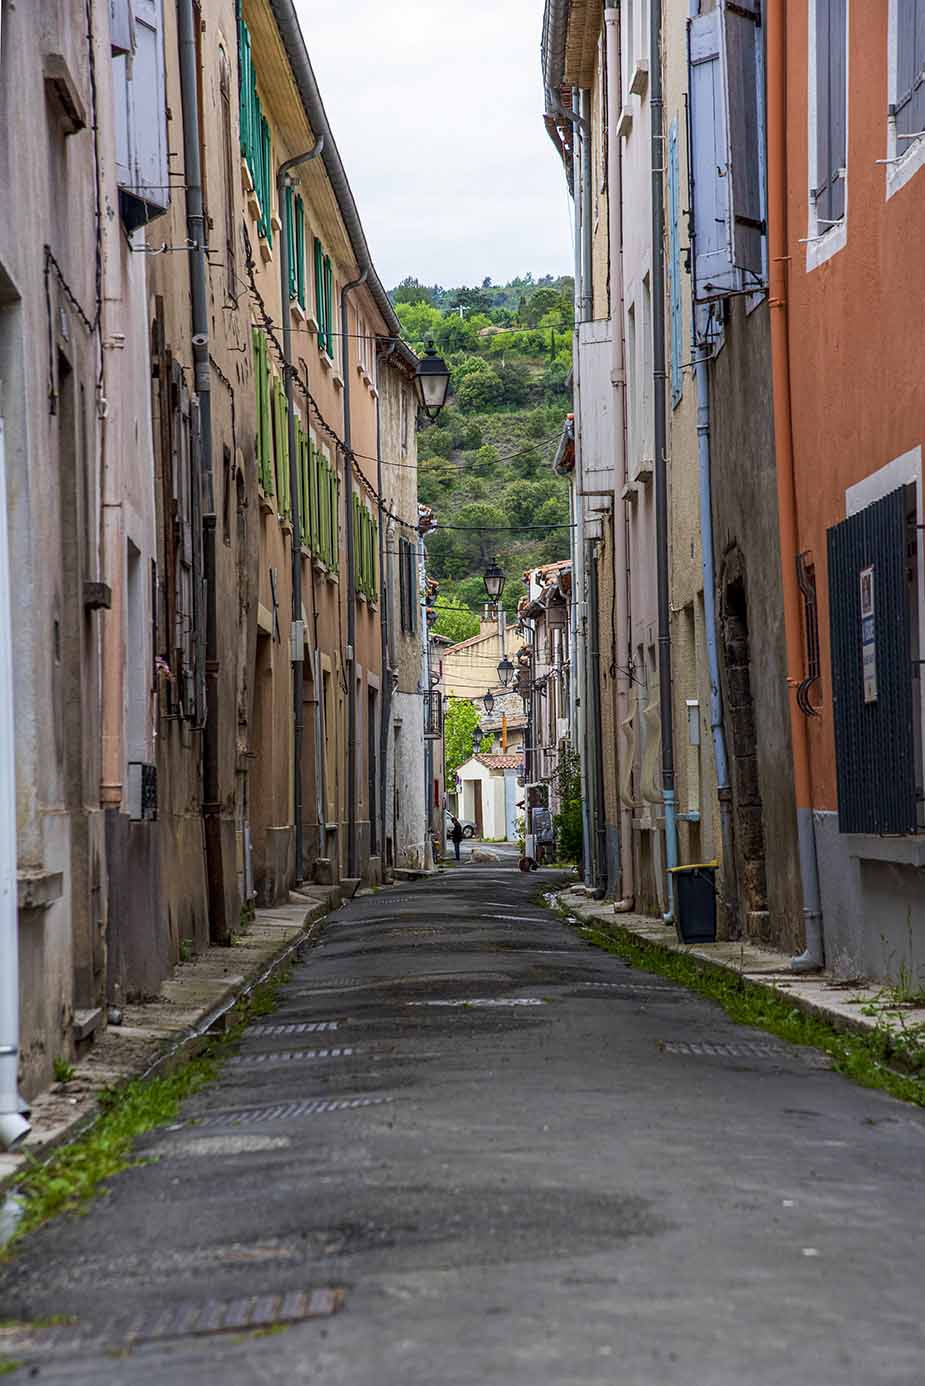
(769, 972)
(186, 1044)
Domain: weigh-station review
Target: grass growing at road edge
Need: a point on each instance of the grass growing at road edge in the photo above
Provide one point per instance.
(863, 1057)
(69, 1179)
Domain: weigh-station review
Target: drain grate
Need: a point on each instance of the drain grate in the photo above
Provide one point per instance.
(287, 1111)
(741, 1049)
(288, 1056)
(187, 1321)
(480, 1001)
(632, 989)
(305, 1027)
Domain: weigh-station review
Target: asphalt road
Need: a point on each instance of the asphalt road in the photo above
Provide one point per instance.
(511, 1169)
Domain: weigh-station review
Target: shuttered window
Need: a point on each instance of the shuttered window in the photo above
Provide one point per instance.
(726, 81)
(281, 446)
(329, 306)
(299, 246)
(256, 144)
(910, 70)
(407, 586)
(264, 444)
(140, 102)
(674, 261)
(365, 532)
(831, 33)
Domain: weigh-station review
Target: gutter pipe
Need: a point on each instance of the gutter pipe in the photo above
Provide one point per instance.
(717, 726)
(219, 923)
(297, 630)
(587, 277)
(618, 376)
(351, 586)
(385, 617)
(578, 548)
(813, 956)
(13, 1125)
(597, 759)
(669, 800)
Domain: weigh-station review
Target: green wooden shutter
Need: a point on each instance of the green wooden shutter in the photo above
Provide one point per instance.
(299, 251)
(291, 240)
(319, 292)
(265, 186)
(328, 307)
(264, 423)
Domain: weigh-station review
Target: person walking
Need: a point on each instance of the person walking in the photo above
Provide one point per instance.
(456, 834)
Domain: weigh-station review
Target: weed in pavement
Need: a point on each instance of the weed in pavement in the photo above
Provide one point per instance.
(71, 1176)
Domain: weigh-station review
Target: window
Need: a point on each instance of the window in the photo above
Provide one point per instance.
(256, 145)
(646, 422)
(726, 77)
(407, 584)
(403, 420)
(365, 533)
(324, 300)
(264, 445)
(906, 114)
(281, 445)
(140, 100)
(295, 235)
(831, 111)
(632, 412)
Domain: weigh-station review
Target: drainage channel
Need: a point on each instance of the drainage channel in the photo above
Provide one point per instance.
(303, 1027)
(287, 1111)
(743, 1049)
(208, 1317)
(289, 1056)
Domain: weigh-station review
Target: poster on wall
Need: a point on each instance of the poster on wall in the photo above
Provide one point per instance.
(868, 636)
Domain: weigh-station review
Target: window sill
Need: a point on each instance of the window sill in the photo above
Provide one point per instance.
(640, 78)
(266, 251)
(822, 248)
(297, 311)
(275, 223)
(284, 524)
(266, 504)
(338, 380)
(625, 122)
(247, 182)
(908, 164)
(327, 362)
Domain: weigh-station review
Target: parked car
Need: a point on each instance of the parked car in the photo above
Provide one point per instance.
(467, 827)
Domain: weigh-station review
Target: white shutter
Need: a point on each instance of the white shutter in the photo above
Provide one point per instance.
(121, 38)
(596, 421)
(715, 275)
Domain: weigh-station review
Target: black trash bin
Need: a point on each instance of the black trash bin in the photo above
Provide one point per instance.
(695, 902)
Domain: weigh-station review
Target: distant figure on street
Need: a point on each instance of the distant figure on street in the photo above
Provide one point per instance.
(456, 834)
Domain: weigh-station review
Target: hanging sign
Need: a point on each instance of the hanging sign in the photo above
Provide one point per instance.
(868, 635)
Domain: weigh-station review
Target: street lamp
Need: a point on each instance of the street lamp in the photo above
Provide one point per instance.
(431, 381)
(494, 581)
(505, 672)
(488, 703)
(476, 739)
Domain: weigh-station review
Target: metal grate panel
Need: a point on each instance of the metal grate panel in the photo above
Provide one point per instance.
(287, 1111)
(874, 735)
(289, 1056)
(305, 1027)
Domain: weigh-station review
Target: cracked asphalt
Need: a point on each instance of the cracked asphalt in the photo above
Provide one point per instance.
(514, 1159)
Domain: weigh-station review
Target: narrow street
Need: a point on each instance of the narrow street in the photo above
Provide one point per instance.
(486, 1137)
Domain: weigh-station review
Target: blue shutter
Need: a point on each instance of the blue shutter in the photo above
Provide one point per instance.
(910, 69)
(140, 101)
(674, 261)
(831, 109)
(743, 63)
(121, 38)
(714, 267)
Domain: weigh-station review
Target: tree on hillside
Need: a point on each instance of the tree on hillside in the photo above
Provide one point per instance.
(411, 290)
(541, 302)
(464, 550)
(418, 320)
(453, 622)
(459, 723)
(480, 389)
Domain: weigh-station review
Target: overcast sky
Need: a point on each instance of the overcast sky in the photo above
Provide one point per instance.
(437, 112)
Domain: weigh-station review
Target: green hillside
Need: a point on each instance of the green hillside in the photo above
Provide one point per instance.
(485, 466)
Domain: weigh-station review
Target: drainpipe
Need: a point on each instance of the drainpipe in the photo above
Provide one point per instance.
(618, 376)
(385, 622)
(669, 802)
(813, 956)
(13, 1125)
(594, 724)
(578, 559)
(428, 861)
(720, 758)
(297, 630)
(351, 588)
(219, 924)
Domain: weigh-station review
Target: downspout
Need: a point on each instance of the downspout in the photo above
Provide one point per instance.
(385, 620)
(618, 376)
(813, 956)
(351, 588)
(720, 757)
(594, 685)
(428, 860)
(587, 276)
(578, 568)
(219, 924)
(13, 1125)
(661, 463)
(297, 629)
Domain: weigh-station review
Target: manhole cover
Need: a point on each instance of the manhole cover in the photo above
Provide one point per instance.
(307, 1027)
(289, 1056)
(186, 1321)
(741, 1049)
(287, 1111)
